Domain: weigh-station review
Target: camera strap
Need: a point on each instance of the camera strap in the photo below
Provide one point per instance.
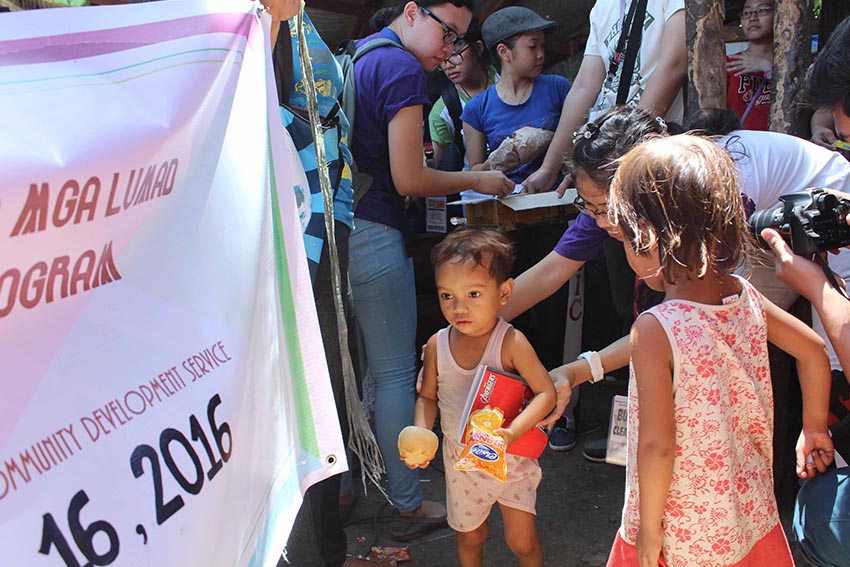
(626, 52)
(830, 276)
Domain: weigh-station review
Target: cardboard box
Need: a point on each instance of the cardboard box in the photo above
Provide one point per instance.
(515, 211)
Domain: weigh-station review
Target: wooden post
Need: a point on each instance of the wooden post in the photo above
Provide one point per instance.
(792, 40)
(706, 54)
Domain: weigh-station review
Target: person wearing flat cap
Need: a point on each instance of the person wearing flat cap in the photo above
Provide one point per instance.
(516, 118)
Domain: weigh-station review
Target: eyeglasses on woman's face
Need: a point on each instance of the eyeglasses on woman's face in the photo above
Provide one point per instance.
(589, 208)
(450, 36)
(759, 12)
(456, 58)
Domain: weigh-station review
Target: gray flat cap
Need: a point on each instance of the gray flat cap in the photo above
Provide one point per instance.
(511, 21)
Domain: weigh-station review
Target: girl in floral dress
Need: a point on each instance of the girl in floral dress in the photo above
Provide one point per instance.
(699, 478)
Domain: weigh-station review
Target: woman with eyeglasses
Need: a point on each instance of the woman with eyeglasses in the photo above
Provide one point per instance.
(471, 75)
(387, 144)
(748, 71)
(592, 163)
(523, 97)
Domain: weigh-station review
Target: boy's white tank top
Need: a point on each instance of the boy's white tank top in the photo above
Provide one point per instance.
(454, 382)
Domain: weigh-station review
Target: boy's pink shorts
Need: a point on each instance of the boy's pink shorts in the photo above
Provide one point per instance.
(471, 494)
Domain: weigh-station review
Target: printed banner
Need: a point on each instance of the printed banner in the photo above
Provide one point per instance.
(165, 399)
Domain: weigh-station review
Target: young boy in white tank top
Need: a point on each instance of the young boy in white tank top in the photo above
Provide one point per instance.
(472, 270)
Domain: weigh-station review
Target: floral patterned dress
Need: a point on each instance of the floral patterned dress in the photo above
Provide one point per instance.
(720, 504)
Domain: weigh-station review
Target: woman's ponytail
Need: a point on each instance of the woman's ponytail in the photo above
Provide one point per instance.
(385, 16)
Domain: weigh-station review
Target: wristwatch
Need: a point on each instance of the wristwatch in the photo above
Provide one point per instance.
(595, 361)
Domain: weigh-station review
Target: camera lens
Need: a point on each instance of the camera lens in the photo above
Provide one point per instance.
(768, 218)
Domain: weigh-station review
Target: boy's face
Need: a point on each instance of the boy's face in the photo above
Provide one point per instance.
(470, 297)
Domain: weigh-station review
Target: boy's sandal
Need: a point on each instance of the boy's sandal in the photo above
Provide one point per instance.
(351, 561)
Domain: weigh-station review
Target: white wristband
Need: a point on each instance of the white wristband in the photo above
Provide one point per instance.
(595, 361)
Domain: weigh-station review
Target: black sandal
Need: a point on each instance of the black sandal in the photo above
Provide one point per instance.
(410, 528)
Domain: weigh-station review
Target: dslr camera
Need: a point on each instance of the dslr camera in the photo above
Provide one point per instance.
(810, 221)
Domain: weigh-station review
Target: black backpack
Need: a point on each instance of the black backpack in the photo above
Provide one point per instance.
(452, 159)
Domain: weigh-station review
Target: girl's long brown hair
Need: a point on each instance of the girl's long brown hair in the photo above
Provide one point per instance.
(681, 193)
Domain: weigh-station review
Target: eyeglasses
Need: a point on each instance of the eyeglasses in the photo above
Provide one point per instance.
(450, 36)
(456, 58)
(582, 205)
(759, 12)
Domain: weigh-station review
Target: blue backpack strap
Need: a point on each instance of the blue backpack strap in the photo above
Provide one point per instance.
(368, 46)
(347, 54)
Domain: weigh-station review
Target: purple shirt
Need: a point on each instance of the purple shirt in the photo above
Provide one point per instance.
(387, 79)
(583, 240)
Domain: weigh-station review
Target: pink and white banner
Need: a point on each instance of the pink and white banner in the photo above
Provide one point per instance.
(164, 394)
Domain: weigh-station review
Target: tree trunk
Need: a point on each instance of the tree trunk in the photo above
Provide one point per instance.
(706, 55)
(792, 40)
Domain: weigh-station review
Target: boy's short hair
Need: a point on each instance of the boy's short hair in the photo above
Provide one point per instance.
(479, 246)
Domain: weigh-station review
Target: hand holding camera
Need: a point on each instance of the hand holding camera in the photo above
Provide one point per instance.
(800, 274)
(810, 221)
(805, 225)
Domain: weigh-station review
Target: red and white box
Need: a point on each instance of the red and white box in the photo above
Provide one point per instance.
(508, 392)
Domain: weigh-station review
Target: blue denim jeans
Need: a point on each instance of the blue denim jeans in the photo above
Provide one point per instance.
(822, 518)
(384, 296)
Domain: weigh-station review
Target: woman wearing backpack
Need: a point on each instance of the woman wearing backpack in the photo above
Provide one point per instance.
(387, 144)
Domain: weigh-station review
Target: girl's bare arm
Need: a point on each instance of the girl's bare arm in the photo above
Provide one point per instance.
(652, 361)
